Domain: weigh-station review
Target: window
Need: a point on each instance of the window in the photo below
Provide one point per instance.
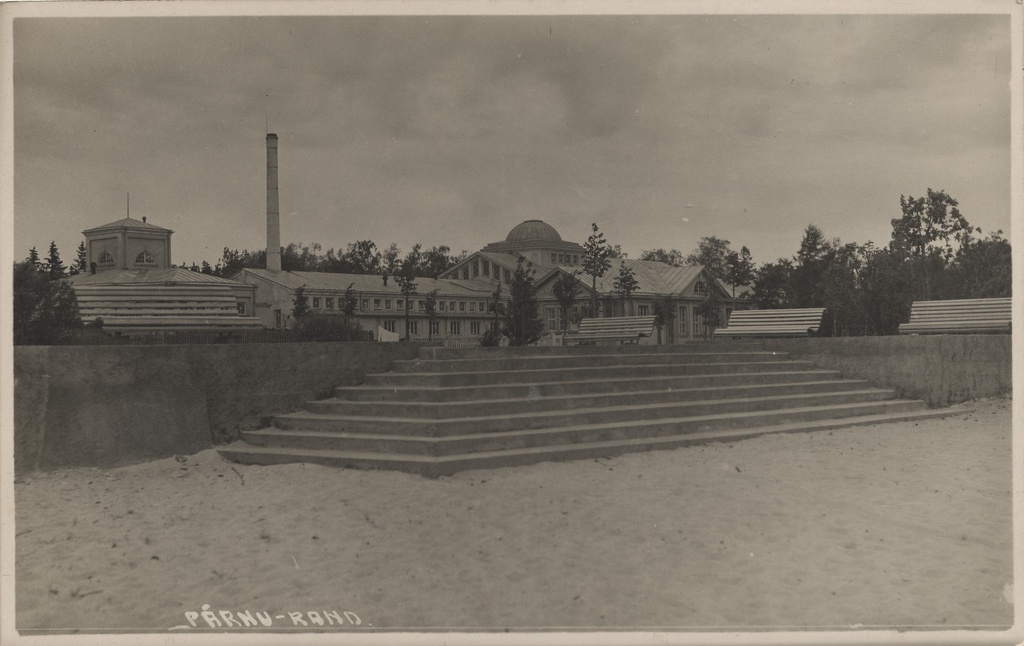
(316, 302)
(145, 258)
(487, 268)
(414, 327)
(561, 258)
(462, 306)
(554, 257)
(366, 304)
(476, 267)
(483, 306)
(643, 310)
(551, 319)
(387, 304)
(440, 306)
(329, 301)
(277, 318)
(376, 303)
(105, 259)
(435, 328)
(683, 316)
(454, 327)
(465, 272)
(472, 306)
(698, 287)
(451, 306)
(698, 327)
(575, 259)
(420, 305)
(474, 328)
(241, 307)
(400, 305)
(389, 325)
(508, 276)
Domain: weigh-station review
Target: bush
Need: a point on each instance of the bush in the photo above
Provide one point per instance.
(491, 338)
(45, 308)
(329, 327)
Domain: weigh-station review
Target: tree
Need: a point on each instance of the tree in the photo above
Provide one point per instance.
(771, 287)
(430, 309)
(625, 284)
(664, 313)
(596, 261)
(887, 282)
(673, 258)
(407, 286)
(842, 294)
(925, 235)
(80, 260)
(300, 304)
(710, 311)
(45, 310)
(983, 268)
(712, 253)
(54, 265)
(363, 257)
(565, 290)
(348, 303)
(435, 261)
(33, 256)
(739, 270)
(496, 306)
(806, 278)
(522, 319)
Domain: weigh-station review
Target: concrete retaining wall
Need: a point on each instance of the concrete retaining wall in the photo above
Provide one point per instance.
(940, 369)
(108, 405)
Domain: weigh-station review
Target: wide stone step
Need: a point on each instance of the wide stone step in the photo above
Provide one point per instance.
(437, 465)
(532, 401)
(440, 379)
(544, 390)
(538, 362)
(410, 426)
(574, 350)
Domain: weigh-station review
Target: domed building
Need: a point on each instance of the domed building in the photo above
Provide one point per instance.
(542, 246)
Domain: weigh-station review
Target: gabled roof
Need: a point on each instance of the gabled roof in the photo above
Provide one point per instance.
(315, 280)
(129, 223)
(652, 277)
(173, 275)
(507, 260)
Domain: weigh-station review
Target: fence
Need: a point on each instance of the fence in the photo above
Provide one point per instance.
(194, 337)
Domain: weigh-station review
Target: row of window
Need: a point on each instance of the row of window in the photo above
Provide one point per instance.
(454, 328)
(144, 258)
(483, 267)
(565, 259)
(386, 304)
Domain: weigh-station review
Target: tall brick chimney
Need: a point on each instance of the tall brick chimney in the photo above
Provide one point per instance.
(273, 208)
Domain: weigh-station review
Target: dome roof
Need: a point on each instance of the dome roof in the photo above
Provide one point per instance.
(533, 230)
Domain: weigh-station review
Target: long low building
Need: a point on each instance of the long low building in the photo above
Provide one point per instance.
(465, 288)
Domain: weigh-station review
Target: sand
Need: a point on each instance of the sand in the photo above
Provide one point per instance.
(905, 525)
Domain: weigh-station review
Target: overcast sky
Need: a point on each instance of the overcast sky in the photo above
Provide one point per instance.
(451, 130)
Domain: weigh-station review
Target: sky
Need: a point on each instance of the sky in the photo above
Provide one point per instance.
(453, 129)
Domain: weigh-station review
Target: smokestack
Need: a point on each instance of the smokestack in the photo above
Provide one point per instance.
(273, 209)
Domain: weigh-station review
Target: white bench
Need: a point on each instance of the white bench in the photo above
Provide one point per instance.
(966, 316)
(624, 329)
(772, 323)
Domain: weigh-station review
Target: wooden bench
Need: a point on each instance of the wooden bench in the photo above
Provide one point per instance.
(772, 323)
(967, 316)
(150, 308)
(624, 329)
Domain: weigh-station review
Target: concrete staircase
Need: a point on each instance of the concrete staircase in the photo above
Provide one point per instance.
(452, 410)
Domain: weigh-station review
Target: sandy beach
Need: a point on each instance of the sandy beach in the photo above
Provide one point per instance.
(897, 525)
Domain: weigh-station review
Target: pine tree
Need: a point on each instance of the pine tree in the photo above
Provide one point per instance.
(407, 286)
(53, 262)
(625, 284)
(596, 261)
(80, 260)
(565, 290)
(522, 318)
(300, 306)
